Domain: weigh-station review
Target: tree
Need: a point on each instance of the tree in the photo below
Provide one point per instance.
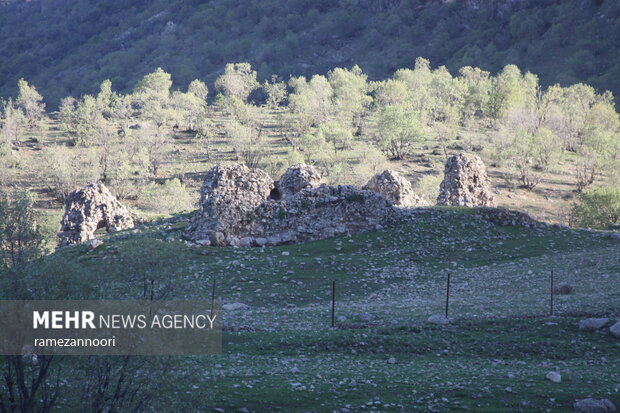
(199, 89)
(351, 98)
(598, 208)
(276, 92)
(31, 102)
(521, 153)
(238, 80)
(9, 125)
(398, 130)
(21, 237)
(247, 142)
(312, 99)
(152, 95)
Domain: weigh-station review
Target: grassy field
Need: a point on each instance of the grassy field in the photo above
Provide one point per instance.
(280, 353)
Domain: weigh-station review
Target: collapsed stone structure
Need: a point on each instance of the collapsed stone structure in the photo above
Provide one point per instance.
(395, 188)
(88, 209)
(296, 178)
(243, 206)
(465, 183)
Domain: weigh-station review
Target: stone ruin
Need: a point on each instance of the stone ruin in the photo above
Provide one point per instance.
(395, 188)
(89, 209)
(240, 206)
(296, 178)
(465, 183)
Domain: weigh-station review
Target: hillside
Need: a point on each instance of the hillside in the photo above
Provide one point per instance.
(67, 47)
(280, 353)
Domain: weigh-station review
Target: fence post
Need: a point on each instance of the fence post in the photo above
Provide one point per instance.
(212, 297)
(551, 295)
(333, 303)
(448, 294)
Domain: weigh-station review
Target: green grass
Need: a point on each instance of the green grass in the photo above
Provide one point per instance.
(280, 354)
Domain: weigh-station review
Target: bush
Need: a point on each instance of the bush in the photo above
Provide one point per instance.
(598, 208)
(167, 198)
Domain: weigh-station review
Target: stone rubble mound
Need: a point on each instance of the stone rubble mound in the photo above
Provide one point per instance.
(465, 183)
(395, 188)
(228, 198)
(238, 208)
(89, 209)
(298, 177)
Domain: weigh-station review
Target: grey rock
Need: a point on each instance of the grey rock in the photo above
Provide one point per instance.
(591, 405)
(591, 324)
(234, 306)
(438, 319)
(615, 329)
(554, 376)
(562, 288)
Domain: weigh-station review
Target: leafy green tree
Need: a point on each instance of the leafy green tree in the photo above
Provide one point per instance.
(198, 89)
(238, 80)
(10, 125)
(247, 143)
(598, 208)
(337, 134)
(351, 99)
(21, 236)
(312, 99)
(31, 102)
(398, 130)
(152, 95)
(276, 92)
(476, 85)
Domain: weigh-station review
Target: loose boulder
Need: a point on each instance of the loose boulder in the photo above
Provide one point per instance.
(592, 324)
(562, 289)
(89, 209)
(296, 178)
(228, 197)
(465, 183)
(395, 188)
(590, 405)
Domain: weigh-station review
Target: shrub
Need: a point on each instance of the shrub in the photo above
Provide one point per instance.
(598, 208)
(167, 198)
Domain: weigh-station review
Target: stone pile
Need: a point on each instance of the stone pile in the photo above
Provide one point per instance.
(395, 188)
(89, 209)
(465, 183)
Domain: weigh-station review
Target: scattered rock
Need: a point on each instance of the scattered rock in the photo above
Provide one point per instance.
(235, 306)
(89, 209)
(506, 218)
(590, 405)
(94, 243)
(554, 377)
(438, 319)
(395, 188)
(391, 360)
(615, 329)
(592, 324)
(465, 183)
(562, 289)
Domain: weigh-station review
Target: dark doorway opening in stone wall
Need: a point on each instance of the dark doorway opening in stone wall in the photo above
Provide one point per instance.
(275, 194)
